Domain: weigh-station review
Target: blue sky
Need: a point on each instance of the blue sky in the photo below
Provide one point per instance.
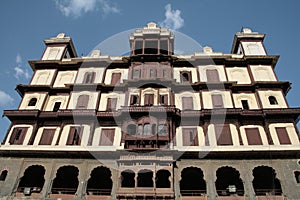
(25, 24)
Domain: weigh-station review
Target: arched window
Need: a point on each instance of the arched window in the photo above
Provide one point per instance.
(66, 180)
(162, 179)
(82, 102)
(192, 182)
(32, 102)
(145, 178)
(33, 178)
(3, 175)
(89, 77)
(297, 176)
(100, 182)
(127, 179)
(131, 129)
(273, 100)
(186, 77)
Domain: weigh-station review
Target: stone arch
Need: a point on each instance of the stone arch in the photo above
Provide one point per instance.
(66, 180)
(163, 178)
(228, 181)
(32, 178)
(145, 178)
(100, 182)
(192, 182)
(128, 178)
(3, 174)
(265, 181)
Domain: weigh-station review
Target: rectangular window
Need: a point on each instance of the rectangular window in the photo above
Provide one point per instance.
(253, 136)
(149, 99)
(165, 73)
(189, 137)
(115, 78)
(56, 106)
(245, 104)
(82, 102)
(212, 75)
(186, 77)
(134, 100)
(89, 77)
(47, 137)
(151, 47)
(163, 99)
(217, 101)
(164, 47)
(75, 135)
(18, 136)
(162, 130)
(283, 135)
(136, 73)
(107, 137)
(111, 104)
(152, 73)
(187, 103)
(223, 134)
(138, 47)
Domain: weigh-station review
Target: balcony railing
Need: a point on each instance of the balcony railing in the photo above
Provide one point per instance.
(193, 192)
(100, 192)
(63, 190)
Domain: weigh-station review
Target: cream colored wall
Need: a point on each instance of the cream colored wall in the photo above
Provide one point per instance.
(202, 72)
(109, 72)
(104, 96)
(64, 77)
(290, 129)
(239, 74)
(212, 135)
(53, 56)
(196, 99)
(97, 136)
(264, 98)
(43, 77)
(261, 131)
(207, 100)
(27, 136)
(65, 134)
(58, 98)
(237, 98)
(200, 133)
(41, 97)
(93, 98)
(253, 48)
(40, 132)
(177, 70)
(262, 73)
(98, 77)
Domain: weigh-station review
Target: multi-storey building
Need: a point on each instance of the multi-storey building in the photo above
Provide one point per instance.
(153, 124)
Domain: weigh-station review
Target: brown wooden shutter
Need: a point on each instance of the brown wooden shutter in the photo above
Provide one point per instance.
(89, 77)
(115, 79)
(223, 134)
(134, 100)
(111, 104)
(47, 137)
(217, 101)
(283, 135)
(18, 135)
(13, 135)
(189, 137)
(149, 99)
(107, 137)
(163, 99)
(253, 136)
(75, 135)
(82, 102)
(212, 75)
(187, 103)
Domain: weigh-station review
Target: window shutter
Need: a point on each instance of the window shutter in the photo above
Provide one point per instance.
(189, 137)
(163, 100)
(212, 75)
(134, 99)
(111, 104)
(149, 99)
(217, 101)
(75, 135)
(13, 135)
(283, 135)
(187, 103)
(18, 135)
(253, 136)
(223, 134)
(47, 137)
(82, 102)
(107, 137)
(115, 79)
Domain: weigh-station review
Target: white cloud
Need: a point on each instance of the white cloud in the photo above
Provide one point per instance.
(76, 8)
(19, 71)
(173, 19)
(5, 99)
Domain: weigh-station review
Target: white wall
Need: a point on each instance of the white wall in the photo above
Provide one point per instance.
(250, 97)
(194, 95)
(253, 48)
(104, 96)
(64, 77)
(239, 74)
(93, 98)
(98, 76)
(264, 98)
(54, 53)
(57, 98)
(207, 100)
(109, 72)
(262, 73)
(43, 77)
(178, 70)
(202, 72)
(41, 96)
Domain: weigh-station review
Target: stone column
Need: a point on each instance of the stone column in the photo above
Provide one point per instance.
(49, 176)
(210, 178)
(177, 177)
(116, 181)
(82, 178)
(247, 177)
